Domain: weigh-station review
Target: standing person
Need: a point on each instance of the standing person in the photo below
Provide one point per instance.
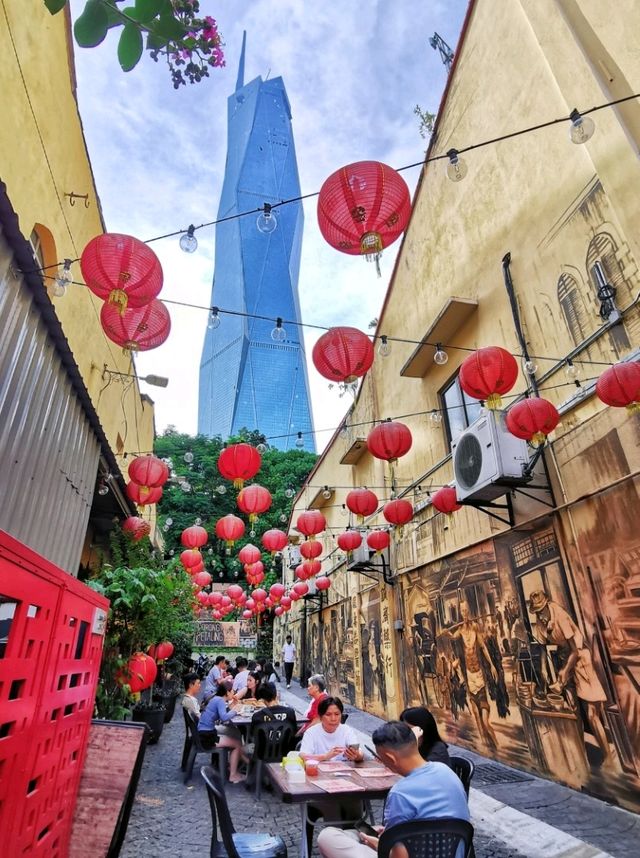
(425, 729)
(190, 700)
(426, 791)
(316, 690)
(217, 718)
(288, 657)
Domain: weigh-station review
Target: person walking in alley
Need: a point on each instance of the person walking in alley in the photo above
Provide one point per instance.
(288, 657)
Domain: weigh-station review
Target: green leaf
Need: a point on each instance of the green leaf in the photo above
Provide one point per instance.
(91, 27)
(168, 27)
(130, 47)
(156, 43)
(55, 6)
(148, 9)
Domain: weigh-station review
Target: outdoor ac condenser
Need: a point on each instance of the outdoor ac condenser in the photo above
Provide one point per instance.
(488, 459)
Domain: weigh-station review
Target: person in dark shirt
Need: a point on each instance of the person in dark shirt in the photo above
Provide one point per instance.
(272, 710)
(424, 726)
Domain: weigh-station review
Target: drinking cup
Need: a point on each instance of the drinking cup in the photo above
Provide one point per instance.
(311, 768)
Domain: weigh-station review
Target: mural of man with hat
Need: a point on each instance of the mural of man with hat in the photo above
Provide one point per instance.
(557, 627)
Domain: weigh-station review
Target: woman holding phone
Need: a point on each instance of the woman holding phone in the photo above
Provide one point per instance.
(331, 739)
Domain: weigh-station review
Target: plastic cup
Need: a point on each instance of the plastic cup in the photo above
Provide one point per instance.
(311, 768)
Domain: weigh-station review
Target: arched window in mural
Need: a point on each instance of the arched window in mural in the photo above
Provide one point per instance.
(573, 308)
(605, 266)
(44, 250)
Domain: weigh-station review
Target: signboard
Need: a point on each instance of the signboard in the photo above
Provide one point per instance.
(238, 635)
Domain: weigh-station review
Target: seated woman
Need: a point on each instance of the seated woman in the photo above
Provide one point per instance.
(424, 726)
(217, 717)
(248, 695)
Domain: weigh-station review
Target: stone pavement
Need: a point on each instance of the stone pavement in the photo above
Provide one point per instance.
(515, 815)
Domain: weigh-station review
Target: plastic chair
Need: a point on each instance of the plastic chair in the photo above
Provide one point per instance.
(235, 845)
(428, 838)
(464, 769)
(196, 747)
(187, 741)
(273, 740)
(343, 717)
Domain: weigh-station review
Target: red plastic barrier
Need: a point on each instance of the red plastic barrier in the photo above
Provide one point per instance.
(51, 636)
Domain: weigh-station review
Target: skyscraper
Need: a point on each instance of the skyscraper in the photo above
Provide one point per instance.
(248, 378)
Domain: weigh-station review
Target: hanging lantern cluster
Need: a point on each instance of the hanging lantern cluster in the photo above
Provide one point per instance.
(487, 374)
(343, 354)
(238, 463)
(147, 474)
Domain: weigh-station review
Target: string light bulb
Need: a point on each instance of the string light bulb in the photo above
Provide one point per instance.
(62, 279)
(299, 441)
(457, 167)
(168, 522)
(185, 486)
(530, 367)
(384, 349)
(289, 492)
(103, 488)
(571, 369)
(266, 221)
(440, 357)
(283, 518)
(221, 489)
(435, 417)
(278, 334)
(214, 319)
(326, 493)
(261, 448)
(188, 242)
(582, 127)
(188, 457)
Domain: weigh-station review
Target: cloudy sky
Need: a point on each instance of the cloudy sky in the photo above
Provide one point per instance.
(354, 73)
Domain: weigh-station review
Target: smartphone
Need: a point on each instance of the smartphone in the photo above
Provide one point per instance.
(364, 828)
(353, 747)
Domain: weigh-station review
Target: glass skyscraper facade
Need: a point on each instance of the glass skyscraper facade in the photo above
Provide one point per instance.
(248, 380)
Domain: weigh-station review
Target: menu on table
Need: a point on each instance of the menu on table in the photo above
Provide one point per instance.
(338, 785)
(377, 772)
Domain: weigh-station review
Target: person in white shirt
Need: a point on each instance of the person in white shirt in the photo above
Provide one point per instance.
(288, 657)
(331, 739)
(213, 678)
(240, 681)
(190, 697)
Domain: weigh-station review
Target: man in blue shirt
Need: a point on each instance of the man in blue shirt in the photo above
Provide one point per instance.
(426, 791)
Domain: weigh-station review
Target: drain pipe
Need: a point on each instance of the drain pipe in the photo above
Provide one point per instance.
(513, 302)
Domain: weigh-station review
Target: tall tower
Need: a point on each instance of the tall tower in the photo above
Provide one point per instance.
(248, 380)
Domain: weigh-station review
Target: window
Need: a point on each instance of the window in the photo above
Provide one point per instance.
(459, 409)
(573, 308)
(36, 246)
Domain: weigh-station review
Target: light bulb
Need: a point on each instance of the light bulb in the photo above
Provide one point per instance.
(278, 334)
(435, 417)
(252, 534)
(582, 127)
(289, 492)
(103, 488)
(171, 553)
(283, 518)
(440, 357)
(188, 457)
(185, 486)
(222, 490)
(198, 522)
(235, 574)
(457, 167)
(261, 448)
(62, 280)
(168, 522)
(530, 367)
(326, 494)
(266, 221)
(344, 512)
(571, 369)
(384, 349)
(213, 321)
(165, 527)
(221, 575)
(188, 241)
(299, 441)
(209, 550)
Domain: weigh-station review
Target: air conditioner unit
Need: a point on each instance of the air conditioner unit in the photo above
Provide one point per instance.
(295, 558)
(488, 459)
(364, 557)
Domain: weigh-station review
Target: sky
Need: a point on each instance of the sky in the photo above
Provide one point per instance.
(354, 73)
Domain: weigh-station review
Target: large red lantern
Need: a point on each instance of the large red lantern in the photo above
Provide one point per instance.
(136, 527)
(249, 554)
(619, 386)
(487, 374)
(308, 568)
(122, 270)
(311, 549)
(194, 537)
(259, 595)
(343, 354)
(389, 440)
(378, 540)
(362, 502)
(239, 462)
(246, 615)
(445, 500)
(163, 651)
(322, 583)
(139, 329)
(235, 592)
(285, 601)
(191, 558)
(143, 496)
(532, 420)
(277, 591)
(349, 540)
(398, 512)
(254, 500)
(310, 523)
(275, 540)
(230, 528)
(148, 472)
(300, 588)
(139, 672)
(363, 208)
(254, 569)
(202, 579)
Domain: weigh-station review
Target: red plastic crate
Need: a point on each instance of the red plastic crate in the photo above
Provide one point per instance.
(51, 636)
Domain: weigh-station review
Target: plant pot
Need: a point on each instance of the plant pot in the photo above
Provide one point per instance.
(153, 718)
(170, 707)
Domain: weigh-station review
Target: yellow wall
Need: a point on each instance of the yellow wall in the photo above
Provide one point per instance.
(42, 157)
(543, 200)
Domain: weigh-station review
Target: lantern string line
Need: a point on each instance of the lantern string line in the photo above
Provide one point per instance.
(428, 160)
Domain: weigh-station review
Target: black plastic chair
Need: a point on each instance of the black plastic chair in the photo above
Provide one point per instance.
(343, 717)
(464, 769)
(187, 741)
(428, 838)
(196, 747)
(234, 844)
(272, 741)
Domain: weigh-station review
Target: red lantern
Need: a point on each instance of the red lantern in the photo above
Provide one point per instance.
(343, 354)
(349, 540)
(389, 440)
(239, 462)
(398, 512)
(225, 601)
(378, 540)
(139, 329)
(140, 497)
(122, 270)
(216, 597)
(274, 540)
(246, 615)
(235, 592)
(619, 386)
(139, 672)
(148, 472)
(268, 602)
(202, 579)
(277, 591)
(294, 595)
(216, 615)
(300, 588)
(137, 527)
(309, 568)
(256, 568)
(362, 502)
(279, 611)
(193, 570)
(487, 374)
(190, 558)
(230, 528)
(532, 420)
(285, 601)
(194, 537)
(259, 595)
(164, 650)
(363, 208)
(310, 550)
(445, 500)
(310, 523)
(254, 500)
(322, 583)
(249, 554)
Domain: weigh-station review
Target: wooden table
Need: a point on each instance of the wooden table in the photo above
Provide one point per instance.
(308, 791)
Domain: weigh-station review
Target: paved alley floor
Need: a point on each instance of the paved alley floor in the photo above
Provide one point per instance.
(514, 813)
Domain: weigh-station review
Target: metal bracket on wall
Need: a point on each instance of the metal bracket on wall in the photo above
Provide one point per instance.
(487, 506)
(387, 577)
(73, 197)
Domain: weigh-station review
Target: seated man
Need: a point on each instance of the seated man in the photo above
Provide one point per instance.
(190, 697)
(272, 710)
(213, 678)
(426, 791)
(240, 679)
(316, 689)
